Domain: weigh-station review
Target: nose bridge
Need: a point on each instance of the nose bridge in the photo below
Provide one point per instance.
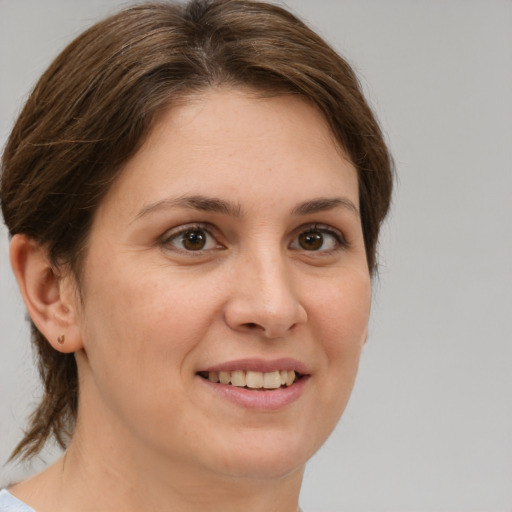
(264, 297)
(272, 281)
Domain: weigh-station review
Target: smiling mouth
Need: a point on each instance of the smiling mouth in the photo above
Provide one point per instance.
(253, 380)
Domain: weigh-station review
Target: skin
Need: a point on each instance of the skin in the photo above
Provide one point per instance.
(153, 313)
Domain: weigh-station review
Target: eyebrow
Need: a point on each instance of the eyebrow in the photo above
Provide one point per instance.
(323, 204)
(231, 209)
(196, 202)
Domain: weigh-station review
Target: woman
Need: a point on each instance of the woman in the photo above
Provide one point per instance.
(194, 195)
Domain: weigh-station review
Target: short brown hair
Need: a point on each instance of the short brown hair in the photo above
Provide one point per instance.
(94, 106)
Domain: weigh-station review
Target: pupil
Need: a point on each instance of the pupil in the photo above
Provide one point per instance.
(311, 240)
(194, 240)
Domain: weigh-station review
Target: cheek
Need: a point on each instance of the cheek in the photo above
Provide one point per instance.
(136, 312)
(339, 322)
(340, 312)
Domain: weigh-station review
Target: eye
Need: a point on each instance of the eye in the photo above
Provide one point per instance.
(319, 239)
(191, 238)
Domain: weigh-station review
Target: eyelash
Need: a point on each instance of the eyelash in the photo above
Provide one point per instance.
(175, 234)
(340, 240)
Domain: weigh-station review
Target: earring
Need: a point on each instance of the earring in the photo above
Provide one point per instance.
(61, 339)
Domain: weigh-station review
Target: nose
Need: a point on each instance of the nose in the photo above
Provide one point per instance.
(264, 299)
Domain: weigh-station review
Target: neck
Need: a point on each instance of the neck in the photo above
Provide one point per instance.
(99, 474)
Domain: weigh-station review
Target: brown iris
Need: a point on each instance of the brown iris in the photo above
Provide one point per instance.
(311, 240)
(194, 240)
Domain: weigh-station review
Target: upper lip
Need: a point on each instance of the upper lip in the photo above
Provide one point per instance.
(260, 365)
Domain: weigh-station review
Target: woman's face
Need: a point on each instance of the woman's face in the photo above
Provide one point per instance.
(230, 248)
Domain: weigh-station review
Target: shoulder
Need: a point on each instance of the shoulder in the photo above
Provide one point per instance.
(8, 503)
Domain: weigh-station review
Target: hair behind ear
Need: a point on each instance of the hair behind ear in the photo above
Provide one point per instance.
(55, 415)
(49, 301)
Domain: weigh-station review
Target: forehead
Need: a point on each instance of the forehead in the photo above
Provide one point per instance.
(222, 117)
(235, 142)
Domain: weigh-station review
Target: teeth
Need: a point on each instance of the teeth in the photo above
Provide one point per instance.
(238, 379)
(291, 378)
(272, 380)
(224, 377)
(287, 377)
(254, 380)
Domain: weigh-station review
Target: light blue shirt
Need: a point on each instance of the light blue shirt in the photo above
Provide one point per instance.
(8, 503)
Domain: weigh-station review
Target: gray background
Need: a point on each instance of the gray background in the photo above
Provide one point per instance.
(429, 427)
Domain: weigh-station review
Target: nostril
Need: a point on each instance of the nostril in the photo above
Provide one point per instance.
(251, 325)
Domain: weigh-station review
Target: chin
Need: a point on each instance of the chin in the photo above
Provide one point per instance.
(263, 467)
(265, 455)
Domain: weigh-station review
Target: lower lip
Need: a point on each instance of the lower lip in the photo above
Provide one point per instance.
(264, 400)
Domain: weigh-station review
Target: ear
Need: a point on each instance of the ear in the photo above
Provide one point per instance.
(50, 298)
